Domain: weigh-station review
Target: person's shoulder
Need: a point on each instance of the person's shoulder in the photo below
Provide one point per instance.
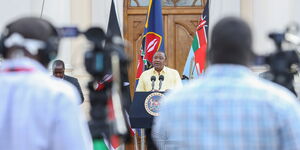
(147, 72)
(179, 95)
(171, 70)
(275, 95)
(272, 88)
(70, 78)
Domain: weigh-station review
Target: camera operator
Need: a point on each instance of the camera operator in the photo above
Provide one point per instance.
(230, 107)
(36, 111)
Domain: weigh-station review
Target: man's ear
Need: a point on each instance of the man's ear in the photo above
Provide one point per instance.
(165, 62)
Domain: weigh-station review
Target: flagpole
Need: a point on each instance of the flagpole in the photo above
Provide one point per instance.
(191, 71)
(135, 141)
(143, 139)
(153, 33)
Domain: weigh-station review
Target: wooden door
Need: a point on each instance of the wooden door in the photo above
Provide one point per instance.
(179, 28)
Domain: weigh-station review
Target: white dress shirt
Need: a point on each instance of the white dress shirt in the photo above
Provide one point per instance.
(38, 112)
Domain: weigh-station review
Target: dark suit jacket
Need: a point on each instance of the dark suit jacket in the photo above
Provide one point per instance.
(75, 82)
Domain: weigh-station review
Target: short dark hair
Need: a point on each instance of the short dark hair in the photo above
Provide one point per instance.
(231, 42)
(58, 63)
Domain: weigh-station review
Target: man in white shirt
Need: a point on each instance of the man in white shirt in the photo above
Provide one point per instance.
(37, 112)
(171, 78)
(164, 79)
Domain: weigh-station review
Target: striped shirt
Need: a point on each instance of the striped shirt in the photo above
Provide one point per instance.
(229, 108)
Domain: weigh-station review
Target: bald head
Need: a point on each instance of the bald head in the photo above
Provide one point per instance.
(58, 68)
(231, 42)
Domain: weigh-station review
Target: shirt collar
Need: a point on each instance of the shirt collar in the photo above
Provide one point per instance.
(163, 71)
(25, 63)
(227, 70)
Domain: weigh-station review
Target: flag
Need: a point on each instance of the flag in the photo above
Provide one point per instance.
(114, 30)
(113, 23)
(153, 37)
(195, 63)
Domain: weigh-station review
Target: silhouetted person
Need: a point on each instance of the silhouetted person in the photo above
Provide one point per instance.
(37, 112)
(58, 68)
(230, 107)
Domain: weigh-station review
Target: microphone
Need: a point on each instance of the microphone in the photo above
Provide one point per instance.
(153, 78)
(161, 78)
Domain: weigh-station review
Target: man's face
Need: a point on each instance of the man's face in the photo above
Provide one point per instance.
(59, 72)
(159, 60)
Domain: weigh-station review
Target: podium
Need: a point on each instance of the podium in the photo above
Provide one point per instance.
(144, 108)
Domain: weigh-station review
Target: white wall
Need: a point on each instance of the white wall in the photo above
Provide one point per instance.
(12, 9)
(57, 11)
(268, 17)
(265, 16)
(221, 8)
(100, 12)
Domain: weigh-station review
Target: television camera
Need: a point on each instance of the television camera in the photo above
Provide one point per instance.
(284, 63)
(106, 57)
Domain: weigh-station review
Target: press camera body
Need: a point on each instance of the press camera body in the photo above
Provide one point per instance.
(284, 63)
(105, 57)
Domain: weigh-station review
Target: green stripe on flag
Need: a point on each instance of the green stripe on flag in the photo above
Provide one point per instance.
(195, 44)
(99, 145)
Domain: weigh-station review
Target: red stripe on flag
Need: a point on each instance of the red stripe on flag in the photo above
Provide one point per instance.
(140, 66)
(200, 58)
(200, 53)
(115, 141)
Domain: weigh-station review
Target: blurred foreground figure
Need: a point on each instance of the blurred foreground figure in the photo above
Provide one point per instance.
(37, 112)
(230, 108)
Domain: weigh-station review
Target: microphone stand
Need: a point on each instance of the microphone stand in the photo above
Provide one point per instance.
(152, 85)
(161, 78)
(153, 78)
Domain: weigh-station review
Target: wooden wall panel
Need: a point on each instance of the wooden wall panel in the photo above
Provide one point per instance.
(135, 32)
(185, 26)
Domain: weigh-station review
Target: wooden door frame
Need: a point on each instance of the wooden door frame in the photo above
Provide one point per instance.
(166, 10)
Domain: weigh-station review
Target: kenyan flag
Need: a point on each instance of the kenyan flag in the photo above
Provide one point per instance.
(195, 63)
